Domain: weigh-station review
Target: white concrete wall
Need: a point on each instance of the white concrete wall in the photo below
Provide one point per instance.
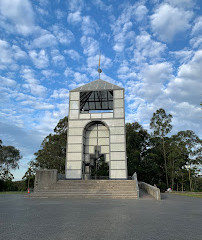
(114, 146)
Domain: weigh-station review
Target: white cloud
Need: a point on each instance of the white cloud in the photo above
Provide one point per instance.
(57, 58)
(74, 17)
(40, 59)
(187, 85)
(19, 13)
(35, 89)
(89, 26)
(122, 28)
(100, 4)
(60, 93)
(9, 55)
(59, 14)
(168, 21)
(157, 73)
(196, 42)
(37, 105)
(32, 84)
(64, 36)
(182, 55)
(90, 45)
(140, 12)
(19, 96)
(7, 82)
(147, 48)
(74, 85)
(18, 53)
(45, 40)
(182, 3)
(74, 55)
(43, 2)
(75, 5)
(41, 11)
(43, 106)
(5, 54)
(197, 28)
(78, 77)
(49, 73)
(92, 62)
(150, 82)
(68, 72)
(121, 35)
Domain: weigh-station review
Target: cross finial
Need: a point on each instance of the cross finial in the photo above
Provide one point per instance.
(99, 69)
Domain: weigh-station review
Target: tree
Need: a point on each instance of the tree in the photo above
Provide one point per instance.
(192, 147)
(160, 122)
(9, 159)
(53, 149)
(177, 156)
(136, 144)
(29, 176)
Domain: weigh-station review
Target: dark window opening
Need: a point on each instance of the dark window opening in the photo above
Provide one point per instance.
(96, 101)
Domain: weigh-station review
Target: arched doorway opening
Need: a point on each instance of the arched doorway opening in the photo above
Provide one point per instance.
(96, 151)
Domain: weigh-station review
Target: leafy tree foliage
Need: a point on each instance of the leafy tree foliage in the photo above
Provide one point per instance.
(53, 149)
(136, 145)
(161, 123)
(29, 176)
(185, 152)
(9, 159)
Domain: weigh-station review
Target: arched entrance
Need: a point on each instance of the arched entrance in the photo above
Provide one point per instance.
(95, 151)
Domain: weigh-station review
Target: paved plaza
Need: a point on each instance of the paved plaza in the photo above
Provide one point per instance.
(175, 217)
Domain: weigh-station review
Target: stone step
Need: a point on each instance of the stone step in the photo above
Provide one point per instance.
(95, 182)
(84, 195)
(90, 189)
(93, 187)
(90, 185)
(86, 192)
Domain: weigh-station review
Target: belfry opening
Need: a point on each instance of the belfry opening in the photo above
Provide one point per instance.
(96, 151)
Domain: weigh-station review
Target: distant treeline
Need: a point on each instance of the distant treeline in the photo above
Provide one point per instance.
(172, 161)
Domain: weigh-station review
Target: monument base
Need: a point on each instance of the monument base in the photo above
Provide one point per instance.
(47, 185)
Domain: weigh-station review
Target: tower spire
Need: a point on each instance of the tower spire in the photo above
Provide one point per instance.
(99, 69)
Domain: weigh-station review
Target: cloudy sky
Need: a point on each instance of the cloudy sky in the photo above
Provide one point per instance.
(152, 48)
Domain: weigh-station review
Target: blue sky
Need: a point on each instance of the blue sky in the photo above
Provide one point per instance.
(152, 48)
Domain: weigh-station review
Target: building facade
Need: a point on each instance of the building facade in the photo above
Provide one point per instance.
(96, 131)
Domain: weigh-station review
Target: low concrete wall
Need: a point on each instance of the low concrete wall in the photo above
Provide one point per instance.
(44, 179)
(153, 191)
(134, 177)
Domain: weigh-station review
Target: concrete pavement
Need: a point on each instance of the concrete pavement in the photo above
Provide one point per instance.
(175, 217)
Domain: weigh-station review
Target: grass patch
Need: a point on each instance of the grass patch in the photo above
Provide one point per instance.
(13, 192)
(189, 194)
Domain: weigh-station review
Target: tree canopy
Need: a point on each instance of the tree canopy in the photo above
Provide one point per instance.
(9, 159)
(53, 148)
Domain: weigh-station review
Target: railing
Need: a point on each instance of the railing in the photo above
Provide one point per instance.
(134, 177)
(154, 191)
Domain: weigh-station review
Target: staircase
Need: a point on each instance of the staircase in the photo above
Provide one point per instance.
(120, 189)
